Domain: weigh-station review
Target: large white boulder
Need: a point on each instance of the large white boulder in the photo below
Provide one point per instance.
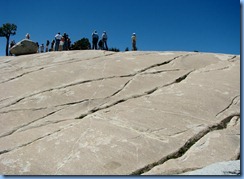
(24, 47)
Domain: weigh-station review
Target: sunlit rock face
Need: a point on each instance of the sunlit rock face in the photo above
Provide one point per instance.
(24, 47)
(107, 113)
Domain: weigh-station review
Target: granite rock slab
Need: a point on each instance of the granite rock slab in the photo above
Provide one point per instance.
(128, 113)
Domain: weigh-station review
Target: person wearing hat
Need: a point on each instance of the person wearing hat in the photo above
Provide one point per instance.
(133, 37)
(104, 40)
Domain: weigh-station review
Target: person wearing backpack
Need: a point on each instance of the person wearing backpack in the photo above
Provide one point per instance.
(104, 40)
(47, 44)
(100, 44)
(95, 38)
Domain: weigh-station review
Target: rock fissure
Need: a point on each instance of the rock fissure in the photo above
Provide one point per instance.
(27, 109)
(142, 102)
(178, 80)
(224, 68)
(92, 80)
(28, 143)
(27, 124)
(232, 58)
(21, 75)
(160, 71)
(233, 102)
(189, 143)
(161, 64)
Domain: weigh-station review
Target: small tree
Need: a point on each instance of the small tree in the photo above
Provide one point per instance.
(6, 31)
(82, 44)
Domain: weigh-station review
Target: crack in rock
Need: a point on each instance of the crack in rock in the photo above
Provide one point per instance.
(182, 150)
(233, 102)
(27, 109)
(28, 143)
(27, 124)
(160, 71)
(93, 80)
(88, 113)
(21, 75)
(232, 59)
(178, 80)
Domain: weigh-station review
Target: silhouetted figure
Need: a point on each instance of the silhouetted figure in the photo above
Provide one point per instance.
(133, 38)
(65, 40)
(27, 36)
(95, 38)
(10, 46)
(100, 44)
(69, 44)
(37, 44)
(47, 44)
(104, 39)
(52, 45)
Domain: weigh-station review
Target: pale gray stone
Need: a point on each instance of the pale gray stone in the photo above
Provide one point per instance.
(24, 47)
(221, 168)
(104, 113)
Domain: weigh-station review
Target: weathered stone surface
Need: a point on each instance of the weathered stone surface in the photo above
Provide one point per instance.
(24, 47)
(102, 113)
(222, 168)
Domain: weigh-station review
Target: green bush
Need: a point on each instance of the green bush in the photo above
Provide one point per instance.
(82, 44)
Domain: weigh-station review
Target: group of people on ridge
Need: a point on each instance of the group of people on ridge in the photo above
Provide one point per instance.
(101, 43)
(66, 42)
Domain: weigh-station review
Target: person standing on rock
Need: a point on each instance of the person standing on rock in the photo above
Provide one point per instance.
(95, 38)
(10, 46)
(133, 38)
(42, 48)
(27, 36)
(52, 45)
(57, 41)
(65, 38)
(47, 44)
(37, 44)
(104, 40)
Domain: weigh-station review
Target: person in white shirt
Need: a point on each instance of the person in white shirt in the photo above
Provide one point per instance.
(42, 48)
(57, 41)
(104, 39)
(27, 36)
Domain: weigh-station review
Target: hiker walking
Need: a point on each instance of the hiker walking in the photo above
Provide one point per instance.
(57, 41)
(95, 38)
(133, 38)
(104, 40)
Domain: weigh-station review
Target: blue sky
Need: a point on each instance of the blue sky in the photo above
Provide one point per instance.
(160, 25)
